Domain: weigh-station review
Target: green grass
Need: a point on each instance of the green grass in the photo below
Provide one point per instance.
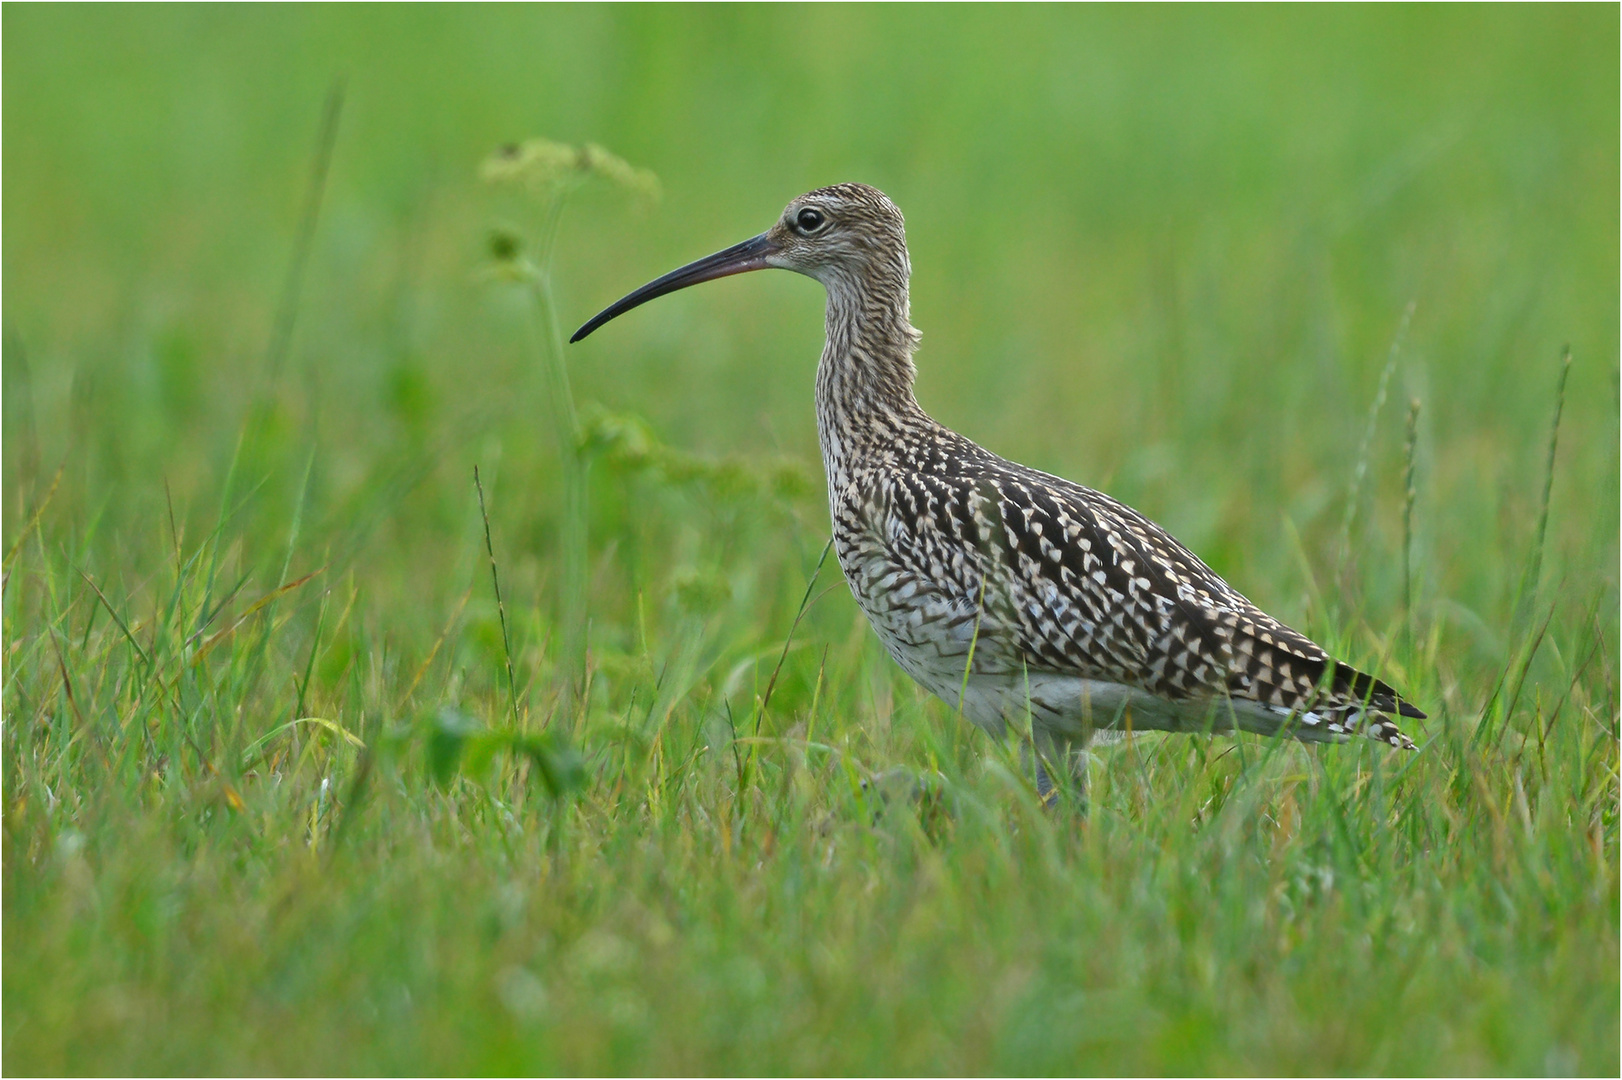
(257, 820)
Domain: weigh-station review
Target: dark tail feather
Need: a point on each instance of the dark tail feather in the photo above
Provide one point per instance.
(1381, 697)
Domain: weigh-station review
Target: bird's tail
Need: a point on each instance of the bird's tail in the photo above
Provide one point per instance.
(1364, 705)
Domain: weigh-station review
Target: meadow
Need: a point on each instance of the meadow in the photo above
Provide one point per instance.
(287, 789)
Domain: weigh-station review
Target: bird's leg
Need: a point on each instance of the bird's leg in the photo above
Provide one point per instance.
(1064, 759)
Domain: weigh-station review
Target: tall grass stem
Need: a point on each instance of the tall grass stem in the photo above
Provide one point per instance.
(573, 607)
(501, 608)
(1534, 568)
(1408, 493)
(805, 602)
(281, 337)
(1360, 470)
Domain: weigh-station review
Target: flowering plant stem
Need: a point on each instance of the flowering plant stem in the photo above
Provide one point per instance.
(573, 613)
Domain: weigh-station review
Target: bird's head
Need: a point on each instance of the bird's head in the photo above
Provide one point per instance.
(844, 232)
(850, 237)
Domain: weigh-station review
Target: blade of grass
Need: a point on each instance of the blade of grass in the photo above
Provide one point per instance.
(1361, 468)
(33, 520)
(246, 615)
(1529, 581)
(1409, 492)
(281, 338)
(433, 652)
(108, 604)
(805, 603)
(501, 609)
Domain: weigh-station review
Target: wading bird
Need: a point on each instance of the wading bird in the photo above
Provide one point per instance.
(1013, 595)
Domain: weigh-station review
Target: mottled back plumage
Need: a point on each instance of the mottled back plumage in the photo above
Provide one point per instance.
(1008, 592)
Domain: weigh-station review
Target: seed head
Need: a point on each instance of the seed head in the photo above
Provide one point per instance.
(546, 167)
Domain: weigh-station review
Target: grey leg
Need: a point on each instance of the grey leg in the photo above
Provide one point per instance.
(1057, 755)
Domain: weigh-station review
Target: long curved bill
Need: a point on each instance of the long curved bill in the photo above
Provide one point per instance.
(737, 259)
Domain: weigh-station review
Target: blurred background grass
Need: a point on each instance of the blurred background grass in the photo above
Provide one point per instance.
(1164, 252)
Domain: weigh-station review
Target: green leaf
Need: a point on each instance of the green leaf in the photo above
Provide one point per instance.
(560, 767)
(448, 735)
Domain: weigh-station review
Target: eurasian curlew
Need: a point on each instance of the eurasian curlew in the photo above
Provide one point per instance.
(1010, 593)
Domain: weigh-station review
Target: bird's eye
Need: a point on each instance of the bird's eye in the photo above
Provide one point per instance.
(809, 220)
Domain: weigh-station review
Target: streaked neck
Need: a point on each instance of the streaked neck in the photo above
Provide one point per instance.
(865, 401)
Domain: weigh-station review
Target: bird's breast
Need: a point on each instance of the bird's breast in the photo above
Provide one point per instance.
(922, 593)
